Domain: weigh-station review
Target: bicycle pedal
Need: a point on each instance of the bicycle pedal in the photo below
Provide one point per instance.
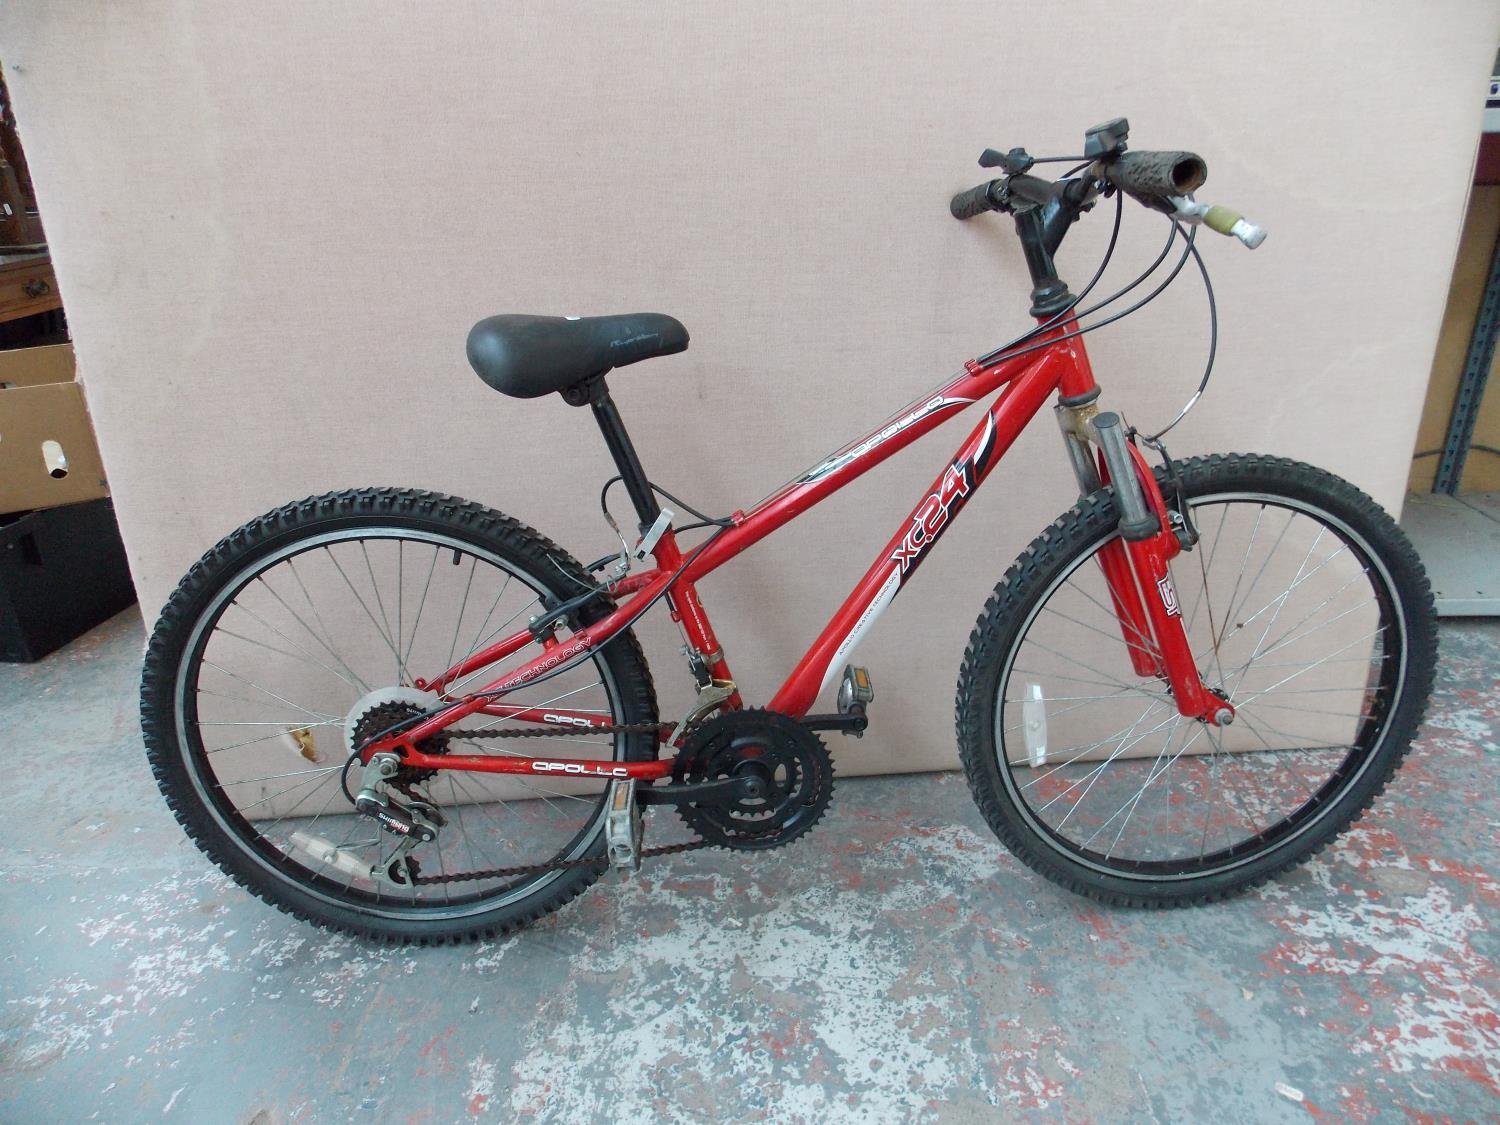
(855, 692)
(623, 827)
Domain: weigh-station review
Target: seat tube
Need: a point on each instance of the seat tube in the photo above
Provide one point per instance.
(688, 612)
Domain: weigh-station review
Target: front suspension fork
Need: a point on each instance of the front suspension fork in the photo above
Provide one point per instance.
(1135, 565)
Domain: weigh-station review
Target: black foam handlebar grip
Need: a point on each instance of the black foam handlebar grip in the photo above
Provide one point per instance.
(975, 201)
(1154, 176)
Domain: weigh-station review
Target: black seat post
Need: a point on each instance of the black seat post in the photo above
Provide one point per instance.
(623, 451)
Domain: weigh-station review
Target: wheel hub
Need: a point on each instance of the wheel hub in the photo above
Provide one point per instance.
(382, 709)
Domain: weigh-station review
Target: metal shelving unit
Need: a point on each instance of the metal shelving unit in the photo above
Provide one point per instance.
(1458, 536)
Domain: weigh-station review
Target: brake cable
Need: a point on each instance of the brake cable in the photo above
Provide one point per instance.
(1213, 346)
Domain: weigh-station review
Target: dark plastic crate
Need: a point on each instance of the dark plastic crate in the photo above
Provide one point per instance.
(62, 571)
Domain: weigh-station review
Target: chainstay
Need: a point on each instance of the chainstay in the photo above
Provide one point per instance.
(561, 864)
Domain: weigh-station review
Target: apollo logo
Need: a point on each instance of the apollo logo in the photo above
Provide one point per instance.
(580, 768)
(566, 720)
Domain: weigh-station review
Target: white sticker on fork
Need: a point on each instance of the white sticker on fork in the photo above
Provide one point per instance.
(1168, 595)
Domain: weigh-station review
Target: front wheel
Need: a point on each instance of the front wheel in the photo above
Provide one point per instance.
(1304, 605)
(302, 635)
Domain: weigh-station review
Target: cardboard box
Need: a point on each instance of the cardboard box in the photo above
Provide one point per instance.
(48, 456)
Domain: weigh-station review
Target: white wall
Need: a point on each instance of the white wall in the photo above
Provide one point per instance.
(274, 223)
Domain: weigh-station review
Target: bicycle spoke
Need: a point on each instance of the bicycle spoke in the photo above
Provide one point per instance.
(1106, 682)
(291, 565)
(249, 742)
(1280, 602)
(1148, 642)
(463, 606)
(383, 636)
(395, 643)
(1115, 636)
(1206, 570)
(421, 605)
(263, 723)
(1094, 773)
(1277, 754)
(1351, 582)
(275, 776)
(348, 674)
(306, 658)
(279, 793)
(1240, 570)
(479, 643)
(1130, 806)
(258, 703)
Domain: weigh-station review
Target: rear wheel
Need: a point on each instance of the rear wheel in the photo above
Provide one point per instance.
(1305, 606)
(302, 634)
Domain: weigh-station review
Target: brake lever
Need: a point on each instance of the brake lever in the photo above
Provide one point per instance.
(1012, 163)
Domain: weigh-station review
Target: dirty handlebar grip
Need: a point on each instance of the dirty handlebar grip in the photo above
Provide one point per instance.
(975, 201)
(1153, 177)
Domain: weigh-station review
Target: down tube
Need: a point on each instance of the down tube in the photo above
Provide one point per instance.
(996, 432)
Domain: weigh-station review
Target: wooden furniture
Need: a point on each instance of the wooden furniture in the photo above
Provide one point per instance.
(27, 286)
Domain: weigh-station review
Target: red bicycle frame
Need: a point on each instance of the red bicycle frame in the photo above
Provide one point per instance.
(1135, 570)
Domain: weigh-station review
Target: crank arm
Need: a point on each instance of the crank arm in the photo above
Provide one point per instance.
(854, 722)
(724, 791)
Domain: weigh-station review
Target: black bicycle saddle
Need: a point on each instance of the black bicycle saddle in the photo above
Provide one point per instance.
(530, 356)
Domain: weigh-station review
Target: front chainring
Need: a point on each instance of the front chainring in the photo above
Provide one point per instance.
(790, 763)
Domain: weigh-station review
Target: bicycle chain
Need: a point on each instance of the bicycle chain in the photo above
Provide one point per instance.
(557, 864)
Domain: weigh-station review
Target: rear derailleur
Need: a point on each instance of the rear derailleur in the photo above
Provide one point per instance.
(412, 821)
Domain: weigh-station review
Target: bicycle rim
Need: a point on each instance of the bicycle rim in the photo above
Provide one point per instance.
(268, 692)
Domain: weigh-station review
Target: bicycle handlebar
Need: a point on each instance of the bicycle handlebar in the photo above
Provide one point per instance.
(1158, 180)
(996, 195)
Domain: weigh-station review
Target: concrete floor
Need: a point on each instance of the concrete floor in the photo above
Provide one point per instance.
(898, 965)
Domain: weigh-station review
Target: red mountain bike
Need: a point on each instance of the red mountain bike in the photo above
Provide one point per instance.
(1194, 679)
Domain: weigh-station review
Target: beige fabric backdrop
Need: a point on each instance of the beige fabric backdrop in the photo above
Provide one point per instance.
(274, 223)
